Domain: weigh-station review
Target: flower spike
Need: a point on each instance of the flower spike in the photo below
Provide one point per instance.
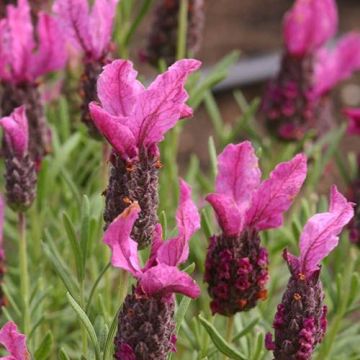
(146, 322)
(236, 265)
(300, 321)
(134, 119)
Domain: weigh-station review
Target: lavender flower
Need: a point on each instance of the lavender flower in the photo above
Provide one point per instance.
(236, 264)
(162, 40)
(90, 31)
(134, 120)
(300, 320)
(146, 327)
(354, 190)
(298, 99)
(14, 342)
(20, 173)
(24, 57)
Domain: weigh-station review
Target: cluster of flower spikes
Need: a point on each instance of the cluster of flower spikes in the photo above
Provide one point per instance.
(134, 120)
(162, 40)
(236, 265)
(14, 342)
(146, 326)
(25, 56)
(21, 173)
(300, 321)
(353, 115)
(90, 32)
(298, 99)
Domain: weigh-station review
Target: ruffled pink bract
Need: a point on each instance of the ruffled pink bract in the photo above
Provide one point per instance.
(88, 30)
(14, 342)
(160, 275)
(241, 200)
(16, 131)
(132, 117)
(22, 59)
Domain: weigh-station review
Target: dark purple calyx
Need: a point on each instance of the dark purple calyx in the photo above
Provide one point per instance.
(162, 40)
(236, 271)
(146, 328)
(134, 181)
(354, 225)
(88, 91)
(20, 179)
(300, 321)
(13, 96)
(290, 107)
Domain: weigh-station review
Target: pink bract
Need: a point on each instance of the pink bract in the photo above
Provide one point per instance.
(241, 200)
(14, 342)
(16, 131)
(320, 234)
(89, 30)
(354, 120)
(309, 24)
(160, 275)
(21, 58)
(133, 118)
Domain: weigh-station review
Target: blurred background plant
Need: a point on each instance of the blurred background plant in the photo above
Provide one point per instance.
(75, 295)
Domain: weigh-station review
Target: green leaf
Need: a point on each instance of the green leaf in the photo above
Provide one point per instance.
(221, 344)
(84, 236)
(213, 156)
(75, 246)
(181, 311)
(63, 355)
(59, 266)
(205, 224)
(87, 324)
(189, 269)
(110, 337)
(44, 349)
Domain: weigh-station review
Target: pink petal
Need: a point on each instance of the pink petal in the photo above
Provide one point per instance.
(309, 24)
(176, 251)
(16, 130)
(166, 280)
(101, 25)
(160, 107)
(5, 51)
(51, 54)
(320, 234)
(21, 41)
(14, 342)
(117, 88)
(229, 216)
(116, 133)
(74, 20)
(337, 64)
(276, 194)
(123, 248)
(238, 173)
(354, 121)
(292, 261)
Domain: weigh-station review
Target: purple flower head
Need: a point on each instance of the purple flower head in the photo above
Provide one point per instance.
(146, 326)
(308, 25)
(297, 100)
(22, 58)
(20, 173)
(14, 342)
(244, 206)
(88, 30)
(354, 120)
(300, 322)
(16, 131)
(133, 118)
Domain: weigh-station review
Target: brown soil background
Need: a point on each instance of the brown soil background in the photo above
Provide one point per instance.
(253, 27)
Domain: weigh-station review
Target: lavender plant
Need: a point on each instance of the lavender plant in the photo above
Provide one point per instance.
(61, 294)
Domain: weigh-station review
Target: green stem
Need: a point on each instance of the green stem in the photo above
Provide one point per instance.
(229, 331)
(83, 329)
(24, 274)
(124, 284)
(182, 29)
